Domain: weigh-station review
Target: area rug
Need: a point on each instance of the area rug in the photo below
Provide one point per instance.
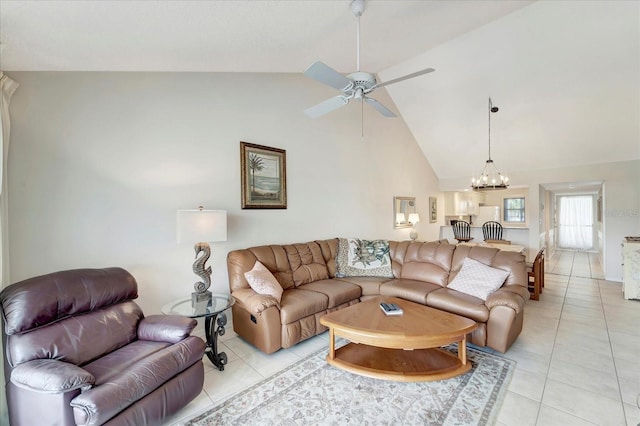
(311, 392)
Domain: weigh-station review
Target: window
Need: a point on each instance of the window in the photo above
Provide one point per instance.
(514, 210)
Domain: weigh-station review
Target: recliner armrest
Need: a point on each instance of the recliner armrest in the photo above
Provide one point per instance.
(254, 302)
(51, 376)
(505, 297)
(165, 328)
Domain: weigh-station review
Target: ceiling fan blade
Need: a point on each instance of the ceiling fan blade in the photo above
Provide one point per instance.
(406, 77)
(327, 75)
(327, 106)
(380, 108)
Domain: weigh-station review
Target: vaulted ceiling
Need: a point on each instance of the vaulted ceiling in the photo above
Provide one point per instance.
(565, 74)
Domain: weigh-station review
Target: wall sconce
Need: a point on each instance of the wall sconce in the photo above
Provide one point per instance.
(413, 219)
(202, 226)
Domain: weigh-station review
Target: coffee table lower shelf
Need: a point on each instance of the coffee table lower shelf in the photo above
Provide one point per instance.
(417, 365)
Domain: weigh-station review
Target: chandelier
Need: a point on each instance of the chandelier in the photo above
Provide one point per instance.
(490, 178)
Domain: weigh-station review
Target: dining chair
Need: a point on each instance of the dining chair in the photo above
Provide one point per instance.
(462, 231)
(492, 230)
(535, 276)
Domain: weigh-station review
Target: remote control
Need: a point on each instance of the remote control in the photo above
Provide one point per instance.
(390, 309)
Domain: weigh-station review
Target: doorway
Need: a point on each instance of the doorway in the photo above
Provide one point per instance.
(572, 222)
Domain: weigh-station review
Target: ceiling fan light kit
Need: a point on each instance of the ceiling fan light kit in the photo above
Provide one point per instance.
(356, 85)
(490, 179)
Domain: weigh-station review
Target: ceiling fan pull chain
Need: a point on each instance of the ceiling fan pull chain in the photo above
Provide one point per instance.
(362, 118)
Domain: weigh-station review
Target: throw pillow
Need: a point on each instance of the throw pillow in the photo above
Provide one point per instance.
(477, 279)
(262, 281)
(363, 258)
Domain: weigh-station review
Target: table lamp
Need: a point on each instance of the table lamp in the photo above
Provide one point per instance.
(413, 219)
(202, 226)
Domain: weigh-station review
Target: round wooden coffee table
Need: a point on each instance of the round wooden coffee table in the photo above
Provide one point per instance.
(403, 348)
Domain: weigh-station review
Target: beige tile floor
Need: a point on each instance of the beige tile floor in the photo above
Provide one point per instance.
(577, 356)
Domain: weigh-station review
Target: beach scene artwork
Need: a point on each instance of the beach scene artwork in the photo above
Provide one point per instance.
(264, 178)
(264, 181)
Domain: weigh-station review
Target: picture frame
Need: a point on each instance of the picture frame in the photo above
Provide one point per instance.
(263, 176)
(433, 209)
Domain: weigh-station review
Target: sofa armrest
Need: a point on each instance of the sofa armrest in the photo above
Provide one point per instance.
(51, 376)
(505, 297)
(165, 328)
(520, 290)
(254, 302)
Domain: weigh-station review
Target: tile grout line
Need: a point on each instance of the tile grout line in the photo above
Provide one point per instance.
(555, 339)
(615, 366)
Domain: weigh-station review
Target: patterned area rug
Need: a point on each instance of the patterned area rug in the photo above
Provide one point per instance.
(311, 392)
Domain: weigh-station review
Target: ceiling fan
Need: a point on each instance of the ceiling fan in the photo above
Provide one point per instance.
(356, 85)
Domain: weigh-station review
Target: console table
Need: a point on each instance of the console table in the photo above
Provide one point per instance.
(213, 313)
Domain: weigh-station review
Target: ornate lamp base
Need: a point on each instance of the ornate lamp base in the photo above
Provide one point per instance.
(201, 299)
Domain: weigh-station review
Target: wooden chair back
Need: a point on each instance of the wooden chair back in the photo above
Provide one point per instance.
(536, 276)
(462, 231)
(492, 230)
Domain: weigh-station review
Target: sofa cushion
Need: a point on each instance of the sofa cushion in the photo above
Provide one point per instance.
(413, 290)
(363, 258)
(370, 286)
(338, 292)
(273, 257)
(262, 281)
(47, 301)
(329, 250)
(97, 405)
(107, 367)
(100, 332)
(297, 303)
(458, 303)
(477, 279)
(307, 263)
(428, 262)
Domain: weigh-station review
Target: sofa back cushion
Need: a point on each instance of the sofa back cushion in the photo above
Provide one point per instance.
(78, 339)
(273, 257)
(329, 250)
(306, 262)
(45, 299)
(429, 262)
(509, 261)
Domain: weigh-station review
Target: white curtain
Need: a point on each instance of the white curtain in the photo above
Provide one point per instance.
(575, 222)
(7, 87)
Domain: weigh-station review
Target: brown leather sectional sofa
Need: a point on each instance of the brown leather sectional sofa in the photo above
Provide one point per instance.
(307, 273)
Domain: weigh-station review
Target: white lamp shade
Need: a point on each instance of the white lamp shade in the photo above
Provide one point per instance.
(200, 226)
(414, 218)
(400, 217)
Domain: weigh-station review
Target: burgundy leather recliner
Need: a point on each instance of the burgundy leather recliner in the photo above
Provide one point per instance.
(79, 351)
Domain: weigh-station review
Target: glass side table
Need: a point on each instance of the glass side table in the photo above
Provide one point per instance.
(213, 314)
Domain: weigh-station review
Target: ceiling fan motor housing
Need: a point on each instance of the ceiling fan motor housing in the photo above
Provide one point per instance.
(362, 80)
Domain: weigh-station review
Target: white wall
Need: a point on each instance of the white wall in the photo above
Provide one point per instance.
(100, 162)
(621, 202)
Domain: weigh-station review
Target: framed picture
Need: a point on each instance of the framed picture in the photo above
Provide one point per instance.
(264, 177)
(433, 209)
